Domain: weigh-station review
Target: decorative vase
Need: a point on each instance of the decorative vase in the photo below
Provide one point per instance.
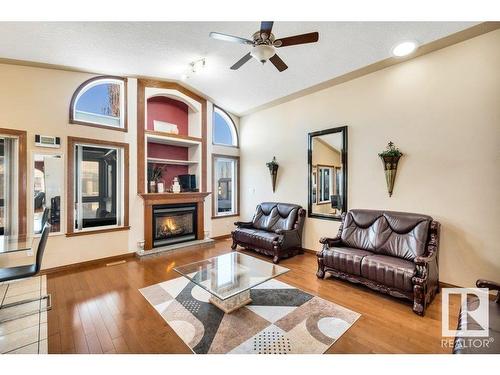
(152, 186)
(273, 170)
(390, 169)
(160, 187)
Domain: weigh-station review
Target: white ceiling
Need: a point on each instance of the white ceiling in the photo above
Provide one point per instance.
(165, 49)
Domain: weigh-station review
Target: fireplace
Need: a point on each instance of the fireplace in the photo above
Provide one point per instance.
(174, 223)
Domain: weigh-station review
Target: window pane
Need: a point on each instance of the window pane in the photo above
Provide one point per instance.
(100, 104)
(8, 185)
(2, 186)
(48, 183)
(98, 180)
(224, 132)
(90, 178)
(225, 170)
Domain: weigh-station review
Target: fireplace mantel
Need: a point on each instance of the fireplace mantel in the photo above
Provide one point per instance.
(151, 199)
(167, 198)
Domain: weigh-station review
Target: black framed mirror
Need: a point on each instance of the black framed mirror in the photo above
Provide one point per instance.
(327, 167)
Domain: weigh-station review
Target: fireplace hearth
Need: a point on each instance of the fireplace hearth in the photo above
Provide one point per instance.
(174, 223)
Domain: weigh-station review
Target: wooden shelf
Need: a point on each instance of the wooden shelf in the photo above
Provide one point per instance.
(171, 161)
(172, 139)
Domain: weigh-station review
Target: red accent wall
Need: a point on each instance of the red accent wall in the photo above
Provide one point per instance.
(156, 150)
(169, 110)
(161, 151)
(172, 171)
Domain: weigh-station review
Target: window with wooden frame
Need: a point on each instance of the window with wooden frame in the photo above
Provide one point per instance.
(101, 102)
(225, 187)
(13, 182)
(98, 187)
(224, 131)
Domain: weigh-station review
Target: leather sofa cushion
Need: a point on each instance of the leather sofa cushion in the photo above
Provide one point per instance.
(399, 234)
(345, 259)
(404, 235)
(389, 271)
(256, 237)
(272, 216)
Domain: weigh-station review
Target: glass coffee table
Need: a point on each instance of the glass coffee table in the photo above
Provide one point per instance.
(229, 278)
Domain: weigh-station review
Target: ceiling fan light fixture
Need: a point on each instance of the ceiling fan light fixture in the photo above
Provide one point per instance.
(262, 52)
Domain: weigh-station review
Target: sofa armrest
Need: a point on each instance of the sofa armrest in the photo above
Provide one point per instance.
(244, 224)
(487, 284)
(432, 248)
(331, 241)
(491, 285)
(423, 260)
(289, 237)
(284, 231)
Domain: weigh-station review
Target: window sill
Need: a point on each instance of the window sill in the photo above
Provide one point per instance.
(76, 122)
(223, 145)
(224, 216)
(97, 231)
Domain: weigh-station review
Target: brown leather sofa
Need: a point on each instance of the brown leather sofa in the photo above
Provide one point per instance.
(480, 345)
(276, 230)
(391, 252)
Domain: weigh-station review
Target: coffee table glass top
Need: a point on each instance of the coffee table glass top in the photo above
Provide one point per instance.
(227, 275)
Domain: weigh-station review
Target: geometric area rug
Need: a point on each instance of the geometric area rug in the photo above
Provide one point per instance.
(280, 319)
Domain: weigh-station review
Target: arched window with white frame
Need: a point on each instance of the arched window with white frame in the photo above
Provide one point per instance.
(224, 130)
(100, 101)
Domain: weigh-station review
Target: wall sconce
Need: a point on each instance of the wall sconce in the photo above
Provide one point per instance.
(390, 158)
(273, 170)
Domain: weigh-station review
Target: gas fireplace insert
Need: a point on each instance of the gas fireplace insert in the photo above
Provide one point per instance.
(174, 223)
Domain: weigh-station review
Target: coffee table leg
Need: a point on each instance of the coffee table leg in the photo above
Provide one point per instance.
(233, 303)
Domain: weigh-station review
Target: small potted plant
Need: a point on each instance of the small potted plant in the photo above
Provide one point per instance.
(273, 170)
(390, 158)
(155, 174)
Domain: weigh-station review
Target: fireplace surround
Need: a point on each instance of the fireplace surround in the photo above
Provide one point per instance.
(174, 223)
(172, 200)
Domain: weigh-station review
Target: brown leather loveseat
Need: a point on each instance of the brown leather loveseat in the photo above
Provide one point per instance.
(391, 252)
(276, 230)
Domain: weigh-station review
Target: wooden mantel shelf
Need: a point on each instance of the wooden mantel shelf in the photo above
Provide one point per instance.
(167, 198)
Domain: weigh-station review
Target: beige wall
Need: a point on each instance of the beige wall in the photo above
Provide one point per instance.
(433, 107)
(37, 100)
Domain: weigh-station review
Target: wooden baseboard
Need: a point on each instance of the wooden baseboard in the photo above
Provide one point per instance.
(314, 252)
(223, 237)
(93, 262)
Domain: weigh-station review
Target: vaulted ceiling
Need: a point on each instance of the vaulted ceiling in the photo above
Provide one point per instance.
(165, 49)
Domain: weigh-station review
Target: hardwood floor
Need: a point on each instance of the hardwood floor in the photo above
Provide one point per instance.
(98, 309)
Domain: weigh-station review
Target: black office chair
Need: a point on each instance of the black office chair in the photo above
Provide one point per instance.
(22, 272)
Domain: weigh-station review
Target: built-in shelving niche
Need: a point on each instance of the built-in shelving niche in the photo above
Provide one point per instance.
(180, 153)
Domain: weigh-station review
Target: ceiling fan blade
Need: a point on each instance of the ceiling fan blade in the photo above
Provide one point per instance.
(297, 39)
(278, 63)
(230, 38)
(241, 61)
(266, 27)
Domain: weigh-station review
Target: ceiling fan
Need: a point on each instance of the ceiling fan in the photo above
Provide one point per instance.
(264, 45)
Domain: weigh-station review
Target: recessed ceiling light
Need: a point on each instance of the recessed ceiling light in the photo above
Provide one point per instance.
(404, 48)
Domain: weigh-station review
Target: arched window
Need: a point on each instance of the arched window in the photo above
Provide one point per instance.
(224, 130)
(100, 101)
